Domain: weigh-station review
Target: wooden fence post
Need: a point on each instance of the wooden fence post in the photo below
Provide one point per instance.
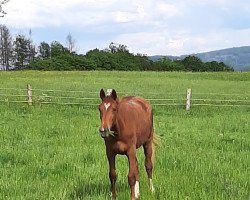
(29, 93)
(188, 103)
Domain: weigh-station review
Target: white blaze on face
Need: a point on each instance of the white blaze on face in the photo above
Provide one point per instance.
(137, 190)
(106, 105)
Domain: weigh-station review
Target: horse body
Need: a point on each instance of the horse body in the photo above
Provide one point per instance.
(132, 113)
(131, 121)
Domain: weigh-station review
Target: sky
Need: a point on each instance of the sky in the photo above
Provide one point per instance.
(151, 27)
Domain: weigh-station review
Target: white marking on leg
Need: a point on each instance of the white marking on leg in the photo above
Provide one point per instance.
(106, 105)
(112, 196)
(137, 190)
(151, 186)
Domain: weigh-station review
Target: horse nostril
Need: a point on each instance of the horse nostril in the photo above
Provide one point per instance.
(104, 130)
(101, 130)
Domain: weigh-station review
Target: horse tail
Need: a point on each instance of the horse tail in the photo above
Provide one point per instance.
(156, 138)
(156, 142)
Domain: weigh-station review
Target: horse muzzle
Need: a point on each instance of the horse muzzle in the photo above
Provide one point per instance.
(104, 132)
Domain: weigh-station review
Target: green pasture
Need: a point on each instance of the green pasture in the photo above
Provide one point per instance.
(52, 150)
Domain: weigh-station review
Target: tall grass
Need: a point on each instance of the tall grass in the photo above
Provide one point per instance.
(55, 151)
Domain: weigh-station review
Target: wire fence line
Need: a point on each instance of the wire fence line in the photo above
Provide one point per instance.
(137, 93)
(41, 96)
(222, 100)
(221, 105)
(75, 91)
(17, 89)
(121, 92)
(149, 99)
(223, 94)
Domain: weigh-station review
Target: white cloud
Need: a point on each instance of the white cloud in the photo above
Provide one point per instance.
(151, 27)
(168, 10)
(164, 43)
(32, 13)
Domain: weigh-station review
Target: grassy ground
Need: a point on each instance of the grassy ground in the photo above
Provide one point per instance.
(55, 151)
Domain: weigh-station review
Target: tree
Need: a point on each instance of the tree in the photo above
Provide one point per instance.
(6, 48)
(70, 42)
(21, 48)
(31, 48)
(114, 48)
(1, 9)
(192, 63)
(166, 64)
(44, 50)
(57, 49)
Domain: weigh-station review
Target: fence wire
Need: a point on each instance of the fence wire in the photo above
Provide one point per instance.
(39, 96)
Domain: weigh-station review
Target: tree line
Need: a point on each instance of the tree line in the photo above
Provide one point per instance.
(20, 52)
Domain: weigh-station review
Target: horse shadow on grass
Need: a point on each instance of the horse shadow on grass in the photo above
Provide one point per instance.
(86, 190)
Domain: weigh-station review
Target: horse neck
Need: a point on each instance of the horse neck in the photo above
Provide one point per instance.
(116, 126)
(119, 124)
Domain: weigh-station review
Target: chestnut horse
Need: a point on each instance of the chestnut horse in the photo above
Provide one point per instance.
(127, 124)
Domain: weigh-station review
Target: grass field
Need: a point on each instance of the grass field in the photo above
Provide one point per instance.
(51, 151)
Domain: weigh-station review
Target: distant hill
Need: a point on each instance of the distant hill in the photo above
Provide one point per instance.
(157, 57)
(237, 57)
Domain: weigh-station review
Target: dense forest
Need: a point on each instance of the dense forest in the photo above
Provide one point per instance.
(20, 53)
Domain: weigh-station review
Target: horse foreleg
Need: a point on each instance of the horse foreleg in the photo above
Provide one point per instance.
(133, 176)
(148, 151)
(112, 174)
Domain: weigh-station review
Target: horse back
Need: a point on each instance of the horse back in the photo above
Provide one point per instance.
(135, 119)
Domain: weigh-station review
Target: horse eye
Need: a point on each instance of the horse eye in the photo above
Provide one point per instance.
(114, 109)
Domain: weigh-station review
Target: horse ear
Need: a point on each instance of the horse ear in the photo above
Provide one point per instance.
(102, 94)
(113, 94)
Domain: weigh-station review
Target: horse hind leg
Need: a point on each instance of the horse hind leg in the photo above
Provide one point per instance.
(149, 154)
(137, 189)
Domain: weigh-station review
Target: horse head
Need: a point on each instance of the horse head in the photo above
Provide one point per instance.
(108, 112)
